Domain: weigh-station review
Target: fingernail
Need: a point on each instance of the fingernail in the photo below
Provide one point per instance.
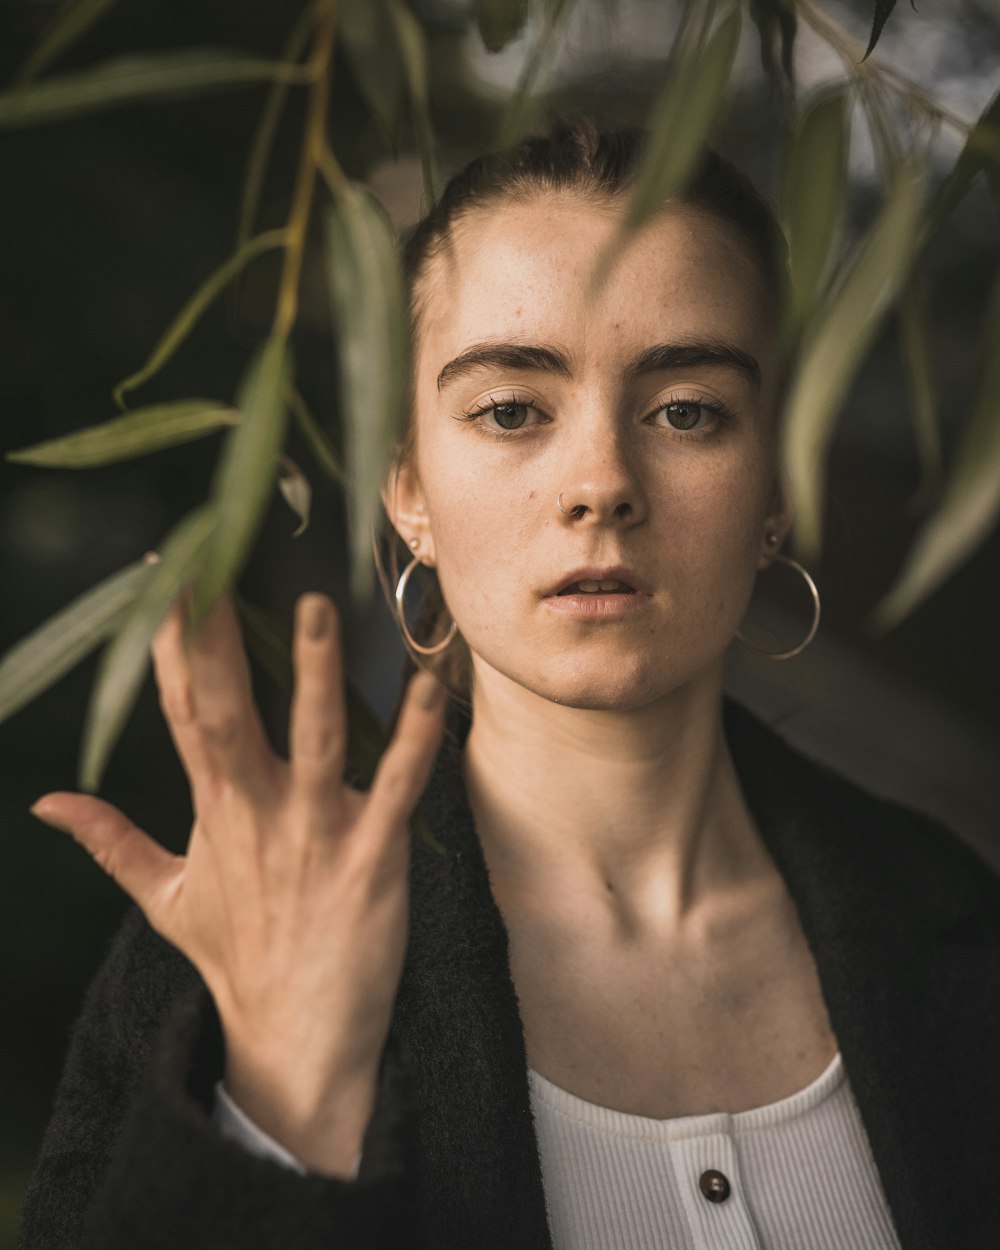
(316, 618)
(430, 693)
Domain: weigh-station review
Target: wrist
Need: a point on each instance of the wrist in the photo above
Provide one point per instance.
(321, 1123)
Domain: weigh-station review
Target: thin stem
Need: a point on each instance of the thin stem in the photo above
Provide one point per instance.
(312, 148)
(851, 52)
(329, 167)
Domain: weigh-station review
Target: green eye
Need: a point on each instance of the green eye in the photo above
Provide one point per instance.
(509, 416)
(683, 414)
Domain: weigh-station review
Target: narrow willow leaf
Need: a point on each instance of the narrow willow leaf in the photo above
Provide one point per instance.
(917, 344)
(815, 183)
(195, 308)
(413, 51)
(318, 443)
(72, 20)
(971, 501)
(133, 79)
(681, 121)
(246, 471)
(500, 21)
(296, 491)
(270, 643)
(836, 342)
(519, 113)
(136, 434)
(371, 40)
(777, 27)
(39, 660)
(981, 150)
(369, 310)
(882, 10)
(124, 663)
(267, 128)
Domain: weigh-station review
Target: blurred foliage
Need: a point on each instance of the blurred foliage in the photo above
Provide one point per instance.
(843, 283)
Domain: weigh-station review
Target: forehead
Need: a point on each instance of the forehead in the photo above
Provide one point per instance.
(522, 271)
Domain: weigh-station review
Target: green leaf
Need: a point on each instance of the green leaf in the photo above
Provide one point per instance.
(267, 128)
(981, 150)
(39, 660)
(519, 112)
(500, 21)
(681, 122)
(371, 40)
(73, 19)
(971, 500)
(124, 663)
(136, 434)
(129, 80)
(194, 309)
(413, 51)
(369, 309)
(836, 341)
(247, 469)
(319, 444)
(815, 183)
(296, 491)
(777, 26)
(882, 10)
(917, 344)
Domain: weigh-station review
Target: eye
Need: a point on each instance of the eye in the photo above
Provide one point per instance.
(503, 417)
(509, 415)
(693, 415)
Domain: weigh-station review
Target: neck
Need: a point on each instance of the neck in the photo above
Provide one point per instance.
(634, 817)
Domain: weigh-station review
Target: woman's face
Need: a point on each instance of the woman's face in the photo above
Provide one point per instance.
(647, 411)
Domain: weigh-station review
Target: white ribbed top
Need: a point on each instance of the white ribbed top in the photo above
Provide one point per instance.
(800, 1174)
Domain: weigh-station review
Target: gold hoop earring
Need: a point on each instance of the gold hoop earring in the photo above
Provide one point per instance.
(400, 592)
(814, 592)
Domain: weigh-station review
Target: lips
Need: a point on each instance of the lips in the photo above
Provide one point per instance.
(587, 587)
(595, 581)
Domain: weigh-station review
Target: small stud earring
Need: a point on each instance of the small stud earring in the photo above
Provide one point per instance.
(414, 543)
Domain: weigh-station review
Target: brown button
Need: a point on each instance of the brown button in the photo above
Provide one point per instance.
(714, 1185)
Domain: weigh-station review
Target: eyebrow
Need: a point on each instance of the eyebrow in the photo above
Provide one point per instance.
(661, 358)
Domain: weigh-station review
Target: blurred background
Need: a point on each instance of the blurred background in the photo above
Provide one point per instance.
(107, 225)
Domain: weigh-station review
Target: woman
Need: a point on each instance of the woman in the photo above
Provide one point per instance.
(662, 982)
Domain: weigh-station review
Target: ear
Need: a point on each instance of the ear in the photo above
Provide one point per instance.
(406, 507)
(777, 522)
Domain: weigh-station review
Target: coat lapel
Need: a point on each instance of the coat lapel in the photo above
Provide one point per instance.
(480, 1179)
(902, 921)
(896, 912)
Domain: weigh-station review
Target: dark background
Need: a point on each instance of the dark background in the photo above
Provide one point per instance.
(107, 225)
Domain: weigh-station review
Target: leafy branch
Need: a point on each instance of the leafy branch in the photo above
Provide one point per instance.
(841, 292)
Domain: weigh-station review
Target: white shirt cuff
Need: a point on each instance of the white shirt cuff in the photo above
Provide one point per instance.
(234, 1124)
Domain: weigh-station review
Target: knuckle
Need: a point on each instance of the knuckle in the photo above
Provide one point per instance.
(221, 726)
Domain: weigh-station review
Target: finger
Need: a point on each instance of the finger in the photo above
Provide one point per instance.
(173, 680)
(406, 763)
(318, 726)
(143, 868)
(230, 736)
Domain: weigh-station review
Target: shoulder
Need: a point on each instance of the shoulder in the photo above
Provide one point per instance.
(910, 858)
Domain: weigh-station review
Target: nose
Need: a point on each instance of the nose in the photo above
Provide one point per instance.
(599, 483)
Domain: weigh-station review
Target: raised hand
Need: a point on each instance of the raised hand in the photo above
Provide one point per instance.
(292, 898)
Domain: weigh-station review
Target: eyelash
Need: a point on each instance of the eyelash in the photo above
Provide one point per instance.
(714, 406)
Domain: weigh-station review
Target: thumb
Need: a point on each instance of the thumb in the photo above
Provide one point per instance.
(142, 867)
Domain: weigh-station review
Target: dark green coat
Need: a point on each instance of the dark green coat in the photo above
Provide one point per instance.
(902, 919)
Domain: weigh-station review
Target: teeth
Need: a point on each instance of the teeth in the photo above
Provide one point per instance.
(591, 587)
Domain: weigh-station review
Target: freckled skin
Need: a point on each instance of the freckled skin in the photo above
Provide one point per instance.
(688, 514)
